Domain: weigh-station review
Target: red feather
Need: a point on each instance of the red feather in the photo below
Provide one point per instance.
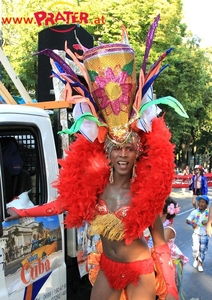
(83, 175)
(85, 172)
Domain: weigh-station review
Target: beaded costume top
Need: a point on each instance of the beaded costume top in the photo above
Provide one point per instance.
(108, 224)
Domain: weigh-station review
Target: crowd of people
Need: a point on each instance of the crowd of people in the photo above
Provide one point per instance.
(188, 170)
(200, 219)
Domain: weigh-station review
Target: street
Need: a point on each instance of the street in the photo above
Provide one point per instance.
(196, 285)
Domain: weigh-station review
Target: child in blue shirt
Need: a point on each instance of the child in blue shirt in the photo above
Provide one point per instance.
(198, 219)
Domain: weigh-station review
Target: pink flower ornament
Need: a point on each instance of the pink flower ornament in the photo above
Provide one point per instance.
(173, 210)
(177, 209)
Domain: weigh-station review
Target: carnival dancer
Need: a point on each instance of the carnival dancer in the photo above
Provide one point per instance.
(119, 171)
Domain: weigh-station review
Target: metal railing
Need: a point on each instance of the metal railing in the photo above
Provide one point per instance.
(183, 181)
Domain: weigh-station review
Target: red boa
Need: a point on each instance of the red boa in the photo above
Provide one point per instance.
(84, 174)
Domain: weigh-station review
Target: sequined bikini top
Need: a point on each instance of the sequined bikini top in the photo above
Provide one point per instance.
(102, 209)
(108, 224)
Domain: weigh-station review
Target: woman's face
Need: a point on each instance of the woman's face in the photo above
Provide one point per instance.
(122, 158)
(197, 171)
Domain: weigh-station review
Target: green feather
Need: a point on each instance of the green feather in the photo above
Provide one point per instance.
(77, 124)
(171, 101)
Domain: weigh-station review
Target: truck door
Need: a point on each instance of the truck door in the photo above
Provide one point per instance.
(3, 290)
(32, 263)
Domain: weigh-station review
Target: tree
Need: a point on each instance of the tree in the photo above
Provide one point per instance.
(190, 84)
(20, 40)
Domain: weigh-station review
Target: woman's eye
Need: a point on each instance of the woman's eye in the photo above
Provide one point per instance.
(129, 149)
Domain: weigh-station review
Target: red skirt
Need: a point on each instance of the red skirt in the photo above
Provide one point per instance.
(119, 274)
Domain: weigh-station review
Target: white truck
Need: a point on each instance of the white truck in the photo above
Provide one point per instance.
(33, 251)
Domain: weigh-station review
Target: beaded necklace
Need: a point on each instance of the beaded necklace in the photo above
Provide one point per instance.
(196, 220)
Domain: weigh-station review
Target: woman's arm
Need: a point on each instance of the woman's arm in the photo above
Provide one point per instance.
(157, 232)
(49, 209)
(169, 233)
(163, 262)
(204, 185)
(189, 220)
(209, 224)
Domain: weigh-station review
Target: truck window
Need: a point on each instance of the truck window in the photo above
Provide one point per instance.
(22, 165)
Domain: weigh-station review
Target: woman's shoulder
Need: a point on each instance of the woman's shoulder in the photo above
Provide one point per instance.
(170, 227)
(170, 231)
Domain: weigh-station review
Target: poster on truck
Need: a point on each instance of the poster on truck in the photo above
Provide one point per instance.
(32, 249)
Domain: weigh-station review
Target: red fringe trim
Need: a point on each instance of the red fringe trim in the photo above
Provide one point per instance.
(84, 174)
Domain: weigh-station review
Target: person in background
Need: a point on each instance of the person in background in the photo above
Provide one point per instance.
(199, 185)
(198, 219)
(186, 171)
(170, 210)
(177, 171)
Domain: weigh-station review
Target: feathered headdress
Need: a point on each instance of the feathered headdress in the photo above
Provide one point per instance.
(110, 105)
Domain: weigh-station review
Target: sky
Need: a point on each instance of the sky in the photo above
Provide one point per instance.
(50, 222)
(198, 17)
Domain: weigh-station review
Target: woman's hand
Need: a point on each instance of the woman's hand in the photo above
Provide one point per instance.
(13, 215)
(194, 225)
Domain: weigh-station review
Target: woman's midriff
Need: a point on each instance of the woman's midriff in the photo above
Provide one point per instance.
(120, 252)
